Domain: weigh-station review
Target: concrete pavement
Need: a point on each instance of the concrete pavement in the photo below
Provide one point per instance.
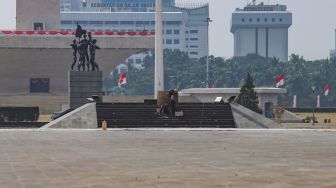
(167, 158)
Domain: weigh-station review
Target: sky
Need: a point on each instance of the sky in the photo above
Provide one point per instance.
(312, 34)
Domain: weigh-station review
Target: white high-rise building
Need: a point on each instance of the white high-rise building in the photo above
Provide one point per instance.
(261, 29)
(333, 52)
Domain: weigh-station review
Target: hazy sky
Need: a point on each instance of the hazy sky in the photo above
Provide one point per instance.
(311, 35)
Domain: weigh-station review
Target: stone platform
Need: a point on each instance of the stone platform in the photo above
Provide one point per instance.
(83, 85)
(167, 158)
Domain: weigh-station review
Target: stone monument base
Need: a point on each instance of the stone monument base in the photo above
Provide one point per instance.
(83, 85)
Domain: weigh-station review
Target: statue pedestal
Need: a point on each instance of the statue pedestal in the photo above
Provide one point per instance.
(83, 85)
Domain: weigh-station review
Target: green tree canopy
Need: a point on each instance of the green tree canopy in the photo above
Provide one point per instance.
(248, 97)
(181, 72)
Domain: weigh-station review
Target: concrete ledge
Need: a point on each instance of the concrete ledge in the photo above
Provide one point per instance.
(290, 117)
(84, 117)
(245, 118)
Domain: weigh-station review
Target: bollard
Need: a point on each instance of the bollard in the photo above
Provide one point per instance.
(104, 125)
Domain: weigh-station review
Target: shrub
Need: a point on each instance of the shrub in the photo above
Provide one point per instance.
(19, 114)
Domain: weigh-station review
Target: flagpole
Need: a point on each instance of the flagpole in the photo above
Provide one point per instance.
(313, 88)
(159, 73)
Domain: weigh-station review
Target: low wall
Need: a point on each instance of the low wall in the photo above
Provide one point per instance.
(290, 117)
(245, 118)
(47, 104)
(319, 110)
(84, 117)
(125, 99)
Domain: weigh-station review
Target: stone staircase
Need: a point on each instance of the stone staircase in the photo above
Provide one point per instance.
(141, 115)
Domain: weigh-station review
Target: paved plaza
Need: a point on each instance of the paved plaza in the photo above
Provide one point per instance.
(167, 158)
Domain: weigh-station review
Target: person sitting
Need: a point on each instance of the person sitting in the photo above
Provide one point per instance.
(172, 103)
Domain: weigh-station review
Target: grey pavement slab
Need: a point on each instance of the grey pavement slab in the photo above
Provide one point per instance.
(167, 158)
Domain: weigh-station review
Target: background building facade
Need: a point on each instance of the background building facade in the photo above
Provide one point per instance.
(46, 18)
(185, 28)
(261, 29)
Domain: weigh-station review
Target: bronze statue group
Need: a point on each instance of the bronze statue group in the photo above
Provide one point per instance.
(83, 47)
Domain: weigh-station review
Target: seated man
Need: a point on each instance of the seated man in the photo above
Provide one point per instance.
(172, 103)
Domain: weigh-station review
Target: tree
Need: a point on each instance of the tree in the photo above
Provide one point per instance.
(248, 97)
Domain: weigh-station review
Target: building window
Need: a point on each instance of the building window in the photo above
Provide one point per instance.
(258, 20)
(82, 22)
(250, 19)
(169, 32)
(138, 61)
(139, 23)
(39, 85)
(265, 19)
(280, 19)
(193, 31)
(193, 53)
(193, 46)
(96, 23)
(111, 23)
(169, 41)
(172, 22)
(194, 39)
(243, 20)
(66, 22)
(176, 41)
(38, 26)
(273, 19)
(126, 23)
(176, 32)
(130, 61)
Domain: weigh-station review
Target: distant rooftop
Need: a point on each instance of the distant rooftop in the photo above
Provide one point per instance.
(263, 7)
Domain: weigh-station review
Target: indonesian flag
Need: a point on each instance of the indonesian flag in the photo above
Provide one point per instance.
(280, 80)
(214, 85)
(294, 101)
(326, 89)
(122, 79)
(318, 101)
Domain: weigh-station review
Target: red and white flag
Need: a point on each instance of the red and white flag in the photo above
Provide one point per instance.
(326, 89)
(294, 101)
(214, 85)
(280, 80)
(122, 79)
(318, 101)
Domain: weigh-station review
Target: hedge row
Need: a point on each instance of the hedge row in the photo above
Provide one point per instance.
(19, 114)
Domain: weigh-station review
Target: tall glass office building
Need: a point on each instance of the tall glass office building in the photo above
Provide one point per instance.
(185, 26)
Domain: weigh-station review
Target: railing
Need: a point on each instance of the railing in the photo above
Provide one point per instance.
(72, 33)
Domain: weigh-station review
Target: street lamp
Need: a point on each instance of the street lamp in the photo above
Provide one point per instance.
(313, 88)
(208, 20)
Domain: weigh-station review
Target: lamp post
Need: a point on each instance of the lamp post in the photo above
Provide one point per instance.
(313, 88)
(208, 20)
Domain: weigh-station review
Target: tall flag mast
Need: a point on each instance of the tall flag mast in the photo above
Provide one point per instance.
(159, 74)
